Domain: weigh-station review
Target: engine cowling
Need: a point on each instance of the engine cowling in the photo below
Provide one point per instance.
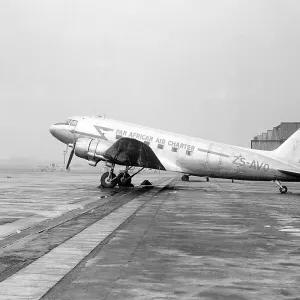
(91, 149)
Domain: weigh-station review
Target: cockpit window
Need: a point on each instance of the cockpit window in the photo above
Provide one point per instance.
(74, 123)
(68, 122)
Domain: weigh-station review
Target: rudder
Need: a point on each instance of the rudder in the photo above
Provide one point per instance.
(289, 151)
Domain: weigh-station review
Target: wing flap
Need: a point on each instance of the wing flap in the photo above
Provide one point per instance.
(131, 152)
(290, 173)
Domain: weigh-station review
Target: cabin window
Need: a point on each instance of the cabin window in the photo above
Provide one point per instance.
(160, 146)
(147, 143)
(189, 152)
(174, 149)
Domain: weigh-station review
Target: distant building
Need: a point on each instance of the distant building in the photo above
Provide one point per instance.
(272, 139)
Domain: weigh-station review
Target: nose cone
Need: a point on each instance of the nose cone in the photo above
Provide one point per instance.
(62, 133)
(52, 130)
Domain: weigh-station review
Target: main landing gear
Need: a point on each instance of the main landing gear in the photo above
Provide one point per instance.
(185, 177)
(110, 180)
(282, 188)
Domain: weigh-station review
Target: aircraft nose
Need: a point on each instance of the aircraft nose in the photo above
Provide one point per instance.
(52, 130)
(61, 132)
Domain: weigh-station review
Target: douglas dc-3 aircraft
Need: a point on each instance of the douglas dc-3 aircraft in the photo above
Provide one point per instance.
(100, 139)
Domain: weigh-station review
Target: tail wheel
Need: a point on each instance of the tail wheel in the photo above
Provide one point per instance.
(283, 189)
(107, 181)
(124, 179)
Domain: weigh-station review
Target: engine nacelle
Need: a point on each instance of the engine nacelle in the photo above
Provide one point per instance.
(91, 149)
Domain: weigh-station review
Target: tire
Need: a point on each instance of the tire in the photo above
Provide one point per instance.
(185, 178)
(106, 183)
(124, 179)
(283, 189)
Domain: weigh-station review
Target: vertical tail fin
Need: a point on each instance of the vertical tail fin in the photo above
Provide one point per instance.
(289, 151)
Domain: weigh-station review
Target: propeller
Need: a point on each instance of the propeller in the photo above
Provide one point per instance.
(70, 158)
(72, 151)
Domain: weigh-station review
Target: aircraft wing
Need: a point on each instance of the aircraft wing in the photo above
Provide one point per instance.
(169, 165)
(131, 152)
(290, 173)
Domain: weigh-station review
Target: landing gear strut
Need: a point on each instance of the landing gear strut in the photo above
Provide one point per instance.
(282, 188)
(108, 179)
(185, 177)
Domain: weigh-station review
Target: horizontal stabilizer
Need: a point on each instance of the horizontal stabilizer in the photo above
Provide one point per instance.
(290, 173)
(131, 152)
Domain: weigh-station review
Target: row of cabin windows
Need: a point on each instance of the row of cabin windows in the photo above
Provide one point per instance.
(187, 152)
(174, 149)
(160, 146)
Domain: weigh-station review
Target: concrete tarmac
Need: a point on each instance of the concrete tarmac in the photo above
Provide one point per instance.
(180, 240)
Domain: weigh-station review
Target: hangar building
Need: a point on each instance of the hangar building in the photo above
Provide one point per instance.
(272, 139)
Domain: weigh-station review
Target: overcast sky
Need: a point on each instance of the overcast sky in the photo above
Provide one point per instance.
(223, 70)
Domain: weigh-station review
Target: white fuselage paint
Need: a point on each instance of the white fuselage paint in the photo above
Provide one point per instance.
(193, 156)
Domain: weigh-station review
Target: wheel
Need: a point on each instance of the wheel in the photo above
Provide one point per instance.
(185, 178)
(124, 179)
(283, 189)
(108, 182)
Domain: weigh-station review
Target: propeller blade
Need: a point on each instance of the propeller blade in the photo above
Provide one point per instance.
(70, 158)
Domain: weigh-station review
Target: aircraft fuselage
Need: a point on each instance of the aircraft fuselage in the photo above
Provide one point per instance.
(184, 154)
